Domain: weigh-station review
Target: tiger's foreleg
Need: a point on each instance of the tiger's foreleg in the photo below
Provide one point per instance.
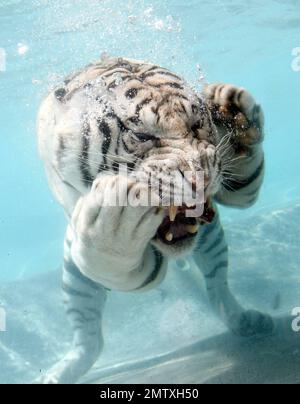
(211, 256)
(84, 302)
(107, 245)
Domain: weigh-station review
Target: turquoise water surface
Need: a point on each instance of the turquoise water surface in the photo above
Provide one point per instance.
(247, 43)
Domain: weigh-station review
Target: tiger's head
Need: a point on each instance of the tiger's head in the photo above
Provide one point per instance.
(164, 129)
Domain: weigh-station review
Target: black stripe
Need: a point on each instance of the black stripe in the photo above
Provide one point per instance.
(160, 72)
(230, 96)
(129, 187)
(79, 313)
(251, 201)
(255, 116)
(140, 106)
(70, 291)
(72, 269)
(117, 148)
(112, 86)
(216, 242)
(116, 167)
(213, 273)
(131, 166)
(107, 69)
(61, 151)
(127, 65)
(135, 120)
(104, 129)
(168, 84)
(150, 70)
(183, 108)
(160, 188)
(120, 64)
(208, 229)
(88, 86)
(239, 96)
(120, 123)
(122, 129)
(103, 167)
(219, 253)
(106, 75)
(233, 185)
(181, 96)
(77, 322)
(84, 164)
(218, 91)
(158, 263)
(68, 242)
(125, 146)
(254, 192)
(196, 127)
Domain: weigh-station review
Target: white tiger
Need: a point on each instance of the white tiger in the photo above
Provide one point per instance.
(121, 111)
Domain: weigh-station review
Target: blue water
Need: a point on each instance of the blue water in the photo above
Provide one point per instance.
(246, 43)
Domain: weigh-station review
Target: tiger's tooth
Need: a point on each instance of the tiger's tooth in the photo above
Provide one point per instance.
(192, 229)
(173, 212)
(169, 237)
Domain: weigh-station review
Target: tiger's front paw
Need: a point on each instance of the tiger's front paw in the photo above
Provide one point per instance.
(114, 225)
(235, 111)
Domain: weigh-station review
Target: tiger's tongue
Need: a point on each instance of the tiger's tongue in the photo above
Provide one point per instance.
(178, 229)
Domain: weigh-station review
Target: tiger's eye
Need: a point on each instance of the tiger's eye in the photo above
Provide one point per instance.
(131, 93)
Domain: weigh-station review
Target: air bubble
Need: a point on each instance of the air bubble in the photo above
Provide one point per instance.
(22, 49)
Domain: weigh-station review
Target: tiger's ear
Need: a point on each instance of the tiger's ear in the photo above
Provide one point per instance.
(60, 94)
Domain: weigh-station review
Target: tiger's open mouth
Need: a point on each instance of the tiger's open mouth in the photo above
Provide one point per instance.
(177, 227)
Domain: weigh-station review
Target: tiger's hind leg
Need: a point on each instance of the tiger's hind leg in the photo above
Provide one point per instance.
(212, 257)
(84, 301)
